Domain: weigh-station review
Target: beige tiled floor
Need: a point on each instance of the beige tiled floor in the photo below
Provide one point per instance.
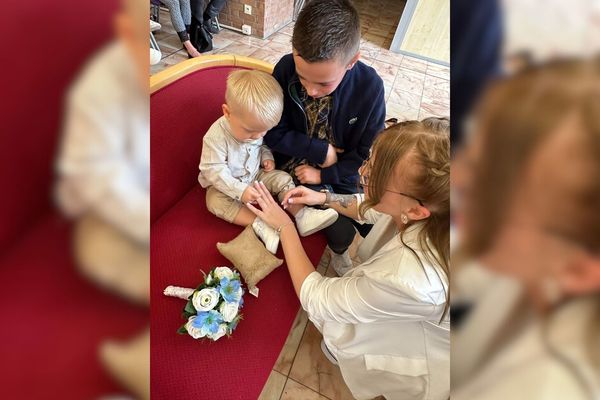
(414, 89)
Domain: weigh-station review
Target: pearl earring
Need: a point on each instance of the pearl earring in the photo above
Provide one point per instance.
(404, 219)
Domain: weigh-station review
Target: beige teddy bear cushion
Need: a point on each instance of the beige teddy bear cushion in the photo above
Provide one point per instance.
(249, 255)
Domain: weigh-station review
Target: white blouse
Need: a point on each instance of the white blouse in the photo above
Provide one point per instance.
(382, 319)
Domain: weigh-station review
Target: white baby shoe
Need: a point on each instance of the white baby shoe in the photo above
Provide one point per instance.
(268, 235)
(310, 220)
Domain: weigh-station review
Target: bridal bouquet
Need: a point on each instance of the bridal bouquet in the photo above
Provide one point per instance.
(213, 308)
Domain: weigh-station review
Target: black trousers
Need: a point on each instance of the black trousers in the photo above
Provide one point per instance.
(203, 11)
(341, 233)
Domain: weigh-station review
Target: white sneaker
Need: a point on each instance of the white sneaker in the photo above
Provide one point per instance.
(268, 235)
(310, 220)
(341, 263)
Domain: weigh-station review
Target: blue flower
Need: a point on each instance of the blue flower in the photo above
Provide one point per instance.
(208, 321)
(230, 290)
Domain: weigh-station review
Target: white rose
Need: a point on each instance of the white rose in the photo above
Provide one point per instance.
(228, 311)
(220, 333)
(196, 333)
(223, 272)
(205, 299)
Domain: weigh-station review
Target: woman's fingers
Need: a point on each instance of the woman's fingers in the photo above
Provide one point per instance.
(291, 193)
(265, 193)
(259, 190)
(255, 210)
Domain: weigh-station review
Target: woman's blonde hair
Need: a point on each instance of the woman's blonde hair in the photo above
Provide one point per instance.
(256, 93)
(518, 115)
(425, 147)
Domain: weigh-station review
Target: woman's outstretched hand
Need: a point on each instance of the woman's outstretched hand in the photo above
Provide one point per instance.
(303, 195)
(271, 212)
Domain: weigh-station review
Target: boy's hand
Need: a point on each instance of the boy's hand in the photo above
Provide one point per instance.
(308, 175)
(268, 165)
(331, 157)
(250, 195)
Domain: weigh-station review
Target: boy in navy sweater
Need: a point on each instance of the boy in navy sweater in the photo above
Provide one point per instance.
(334, 106)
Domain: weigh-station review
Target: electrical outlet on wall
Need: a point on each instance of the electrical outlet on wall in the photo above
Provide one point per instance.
(246, 29)
(247, 9)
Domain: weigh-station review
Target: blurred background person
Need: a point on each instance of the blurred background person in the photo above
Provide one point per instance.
(181, 17)
(527, 189)
(476, 52)
(211, 12)
(104, 180)
(54, 317)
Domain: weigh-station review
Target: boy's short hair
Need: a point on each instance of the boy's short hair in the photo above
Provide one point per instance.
(255, 92)
(326, 30)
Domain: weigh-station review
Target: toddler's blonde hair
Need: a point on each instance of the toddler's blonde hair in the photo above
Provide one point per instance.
(255, 92)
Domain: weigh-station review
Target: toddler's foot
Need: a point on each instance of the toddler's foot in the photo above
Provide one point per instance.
(268, 235)
(310, 220)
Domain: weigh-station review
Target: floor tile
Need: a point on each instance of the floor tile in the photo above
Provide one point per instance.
(281, 38)
(386, 71)
(220, 42)
(288, 29)
(409, 81)
(279, 47)
(437, 88)
(250, 41)
(401, 112)
(433, 108)
(404, 98)
(313, 370)
(274, 386)
(238, 48)
(368, 49)
(171, 60)
(390, 57)
(288, 353)
(438, 70)
(272, 57)
(296, 391)
(169, 44)
(414, 64)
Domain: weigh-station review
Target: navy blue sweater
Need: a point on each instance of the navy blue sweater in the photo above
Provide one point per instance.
(357, 116)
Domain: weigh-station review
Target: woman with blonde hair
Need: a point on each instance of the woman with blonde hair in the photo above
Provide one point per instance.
(529, 214)
(385, 321)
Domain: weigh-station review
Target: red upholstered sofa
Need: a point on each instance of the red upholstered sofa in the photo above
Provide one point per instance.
(185, 100)
(52, 319)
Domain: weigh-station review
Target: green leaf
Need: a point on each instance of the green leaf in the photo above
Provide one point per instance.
(182, 330)
(189, 308)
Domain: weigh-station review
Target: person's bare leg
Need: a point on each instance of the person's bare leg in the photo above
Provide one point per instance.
(244, 218)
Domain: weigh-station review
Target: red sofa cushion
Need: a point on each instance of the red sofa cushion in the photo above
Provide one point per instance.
(53, 320)
(180, 115)
(183, 243)
(55, 39)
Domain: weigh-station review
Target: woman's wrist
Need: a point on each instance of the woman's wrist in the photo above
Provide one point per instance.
(282, 226)
(325, 196)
